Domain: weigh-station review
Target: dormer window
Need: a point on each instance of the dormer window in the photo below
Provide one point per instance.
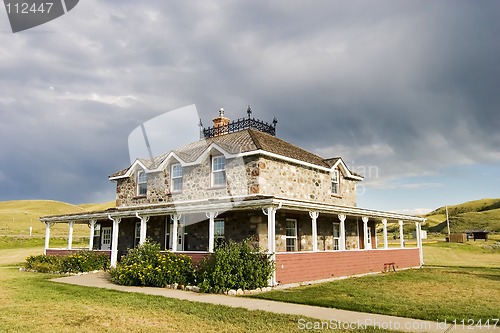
(176, 178)
(335, 182)
(218, 171)
(142, 183)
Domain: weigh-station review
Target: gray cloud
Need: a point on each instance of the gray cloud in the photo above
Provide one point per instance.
(411, 87)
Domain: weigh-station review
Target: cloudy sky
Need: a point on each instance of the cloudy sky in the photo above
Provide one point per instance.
(407, 92)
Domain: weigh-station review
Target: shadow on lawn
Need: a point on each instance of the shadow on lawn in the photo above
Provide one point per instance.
(477, 272)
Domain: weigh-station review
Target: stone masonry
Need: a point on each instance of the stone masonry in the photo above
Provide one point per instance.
(245, 176)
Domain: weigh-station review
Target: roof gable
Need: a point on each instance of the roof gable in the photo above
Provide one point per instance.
(243, 143)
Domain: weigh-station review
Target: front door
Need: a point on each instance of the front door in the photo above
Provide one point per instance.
(180, 237)
(106, 238)
(369, 243)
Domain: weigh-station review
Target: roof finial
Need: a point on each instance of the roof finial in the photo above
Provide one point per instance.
(249, 111)
(221, 112)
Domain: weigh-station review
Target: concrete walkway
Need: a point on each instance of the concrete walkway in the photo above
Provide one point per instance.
(347, 319)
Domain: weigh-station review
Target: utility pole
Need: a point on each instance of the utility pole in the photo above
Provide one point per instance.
(448, 223)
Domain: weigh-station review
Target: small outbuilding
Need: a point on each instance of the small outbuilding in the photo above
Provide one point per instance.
(477, 234)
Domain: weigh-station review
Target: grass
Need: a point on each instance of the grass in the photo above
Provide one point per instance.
(477, 214)
(470, 254)
(17, 216)
(428, 294)
(466, 286)
(9, 242)
(30, 302)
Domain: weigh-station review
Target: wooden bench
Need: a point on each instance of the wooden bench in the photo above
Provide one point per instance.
(388, 266)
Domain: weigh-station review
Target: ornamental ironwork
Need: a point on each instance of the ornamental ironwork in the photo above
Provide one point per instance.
(242, 124)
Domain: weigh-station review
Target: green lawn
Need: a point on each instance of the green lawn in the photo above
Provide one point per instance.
(464, 286)
(428, 293)
(470, 254)
(30, 302)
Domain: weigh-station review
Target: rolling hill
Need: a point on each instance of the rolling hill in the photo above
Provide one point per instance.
(477, 214)
(17, 216)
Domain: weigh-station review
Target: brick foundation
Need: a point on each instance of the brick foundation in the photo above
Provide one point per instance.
(64, 252)
(309, 266)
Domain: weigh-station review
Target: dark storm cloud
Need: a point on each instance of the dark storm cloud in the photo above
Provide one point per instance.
(411, 87)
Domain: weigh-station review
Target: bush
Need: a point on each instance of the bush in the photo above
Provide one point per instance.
(80, 262)
(43, 263)
(84, 261)
(233, 266)
(147, 266)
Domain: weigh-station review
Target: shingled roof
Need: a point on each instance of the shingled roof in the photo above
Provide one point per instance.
(243, 141)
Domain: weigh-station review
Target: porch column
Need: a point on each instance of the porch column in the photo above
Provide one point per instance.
(314, 219)
(114, 240)
(365, 232)
(342, 218)
(270, 212)
(401, 235)
(175, 225)
(211, 234)
(144, 226)
(91, 239)
(47, 236)
(70, 235)
(386, 243)
(418, 227)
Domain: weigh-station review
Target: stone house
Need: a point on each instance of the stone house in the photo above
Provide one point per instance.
(242, 182)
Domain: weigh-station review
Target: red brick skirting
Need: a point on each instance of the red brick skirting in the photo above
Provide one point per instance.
(63, 252)
(309, 266)
(196, 256)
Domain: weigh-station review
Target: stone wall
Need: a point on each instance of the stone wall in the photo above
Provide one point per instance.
(238, 226)
(196, 184)
(289, 180)
(248, 175)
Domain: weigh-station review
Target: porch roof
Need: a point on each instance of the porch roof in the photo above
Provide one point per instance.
(227, 204)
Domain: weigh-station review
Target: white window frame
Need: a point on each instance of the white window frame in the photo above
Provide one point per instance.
(291, 237)
(97, 236)
(336, 238)
(174, 176)
(137, 233)
(335, 182)
(106, 238)
(142, 182)
(218, 170)
(219, 233)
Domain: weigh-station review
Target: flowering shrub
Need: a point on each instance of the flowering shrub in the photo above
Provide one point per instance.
(147, 266)
(43, 263)
(233, 266)
(84, 261)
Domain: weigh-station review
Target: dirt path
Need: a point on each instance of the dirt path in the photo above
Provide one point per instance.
(17, 256)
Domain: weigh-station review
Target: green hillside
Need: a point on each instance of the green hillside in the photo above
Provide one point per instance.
(477, 214)
(17, 216)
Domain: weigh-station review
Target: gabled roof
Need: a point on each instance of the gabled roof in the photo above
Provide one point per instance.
(242, 143)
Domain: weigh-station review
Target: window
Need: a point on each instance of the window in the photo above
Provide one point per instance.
(336, 236)
(97, 235)
(137, 233)
(142, 183)
(291, 235)
(335, 182)
(219, 228)
(106, 238)
(176, 178)
(218, 171)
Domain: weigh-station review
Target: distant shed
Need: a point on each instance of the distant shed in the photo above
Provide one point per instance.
(477, 234)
